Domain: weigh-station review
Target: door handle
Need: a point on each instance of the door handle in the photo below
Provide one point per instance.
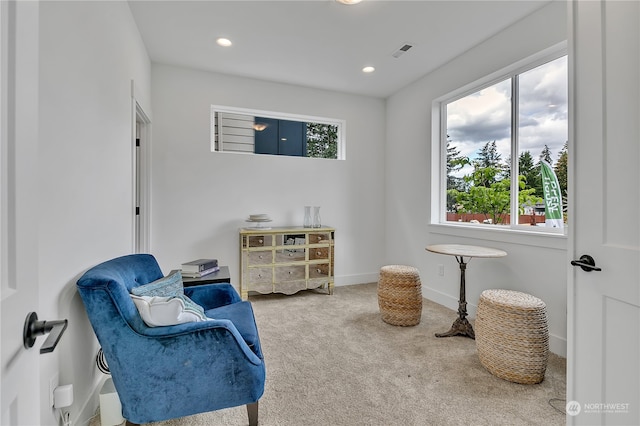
(34, 328)
(587, 263)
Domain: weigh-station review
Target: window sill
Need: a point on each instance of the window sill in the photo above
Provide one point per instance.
(504, 235)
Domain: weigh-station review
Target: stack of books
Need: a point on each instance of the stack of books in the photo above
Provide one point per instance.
(199, 268)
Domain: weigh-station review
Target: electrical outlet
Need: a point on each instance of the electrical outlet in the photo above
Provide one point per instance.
(441, 270)
(54, 381)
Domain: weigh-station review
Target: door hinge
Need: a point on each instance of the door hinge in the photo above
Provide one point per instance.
(137, 211)
(137, 142)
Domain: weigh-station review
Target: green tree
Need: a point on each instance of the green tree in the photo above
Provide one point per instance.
(527, 168)
(322, 140)
(546, 155)
(487, 189)
(493, 200)
(455, 162)
(488, 167)
(536, 182)
(561, 169)
(488, 155)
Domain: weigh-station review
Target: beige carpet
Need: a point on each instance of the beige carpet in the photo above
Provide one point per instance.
(331, 360)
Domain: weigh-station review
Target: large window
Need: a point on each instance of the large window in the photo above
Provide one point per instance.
(495, 141)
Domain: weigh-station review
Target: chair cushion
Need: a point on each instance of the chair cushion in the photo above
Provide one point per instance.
(158, 311)
(171, 285)
(241, 314)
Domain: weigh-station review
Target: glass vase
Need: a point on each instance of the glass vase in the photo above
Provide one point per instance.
(316, 217)
(307, 217)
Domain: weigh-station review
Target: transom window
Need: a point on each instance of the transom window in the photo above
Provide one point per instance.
(504, 150)
(243, 130)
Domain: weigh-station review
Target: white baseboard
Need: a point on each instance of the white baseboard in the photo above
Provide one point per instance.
(355, 279)
(558, 345)
(90, 405)
(441, 298)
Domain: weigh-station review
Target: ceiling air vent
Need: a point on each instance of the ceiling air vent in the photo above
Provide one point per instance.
(401, 51)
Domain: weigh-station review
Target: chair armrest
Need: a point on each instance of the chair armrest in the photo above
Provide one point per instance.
(211, 296)
(200, 329)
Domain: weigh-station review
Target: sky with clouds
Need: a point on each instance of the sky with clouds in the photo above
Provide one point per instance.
(485, 116)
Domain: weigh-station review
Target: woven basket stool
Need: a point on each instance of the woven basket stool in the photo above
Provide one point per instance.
(400, 295)
(512, 336)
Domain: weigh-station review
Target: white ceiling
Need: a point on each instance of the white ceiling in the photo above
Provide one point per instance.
(322, 43)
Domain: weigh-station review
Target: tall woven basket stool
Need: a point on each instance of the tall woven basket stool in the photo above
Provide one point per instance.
(512, 336)
(400, 295)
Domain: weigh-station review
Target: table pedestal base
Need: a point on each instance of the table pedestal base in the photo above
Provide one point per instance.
(460, 327)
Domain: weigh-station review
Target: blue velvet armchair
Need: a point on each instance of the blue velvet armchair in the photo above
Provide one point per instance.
(173, 371)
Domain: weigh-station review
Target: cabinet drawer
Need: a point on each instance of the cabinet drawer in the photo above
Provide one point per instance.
(320, 270)
(260, 257)
(260, 275)
(290, 255)
(258, 241)
(290, 273)
(318, 253)
(320, 238)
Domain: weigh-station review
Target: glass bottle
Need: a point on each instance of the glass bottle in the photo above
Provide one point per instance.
(316, 217)
(307, 217)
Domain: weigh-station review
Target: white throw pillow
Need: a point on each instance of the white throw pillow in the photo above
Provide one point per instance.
(158, 311)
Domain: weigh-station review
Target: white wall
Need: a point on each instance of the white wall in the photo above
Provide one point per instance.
(89, 53)
(200, 198)
(534, 265)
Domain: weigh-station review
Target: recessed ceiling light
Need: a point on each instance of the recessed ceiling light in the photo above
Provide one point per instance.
(224, 42)
(349, 2)
(368, 69)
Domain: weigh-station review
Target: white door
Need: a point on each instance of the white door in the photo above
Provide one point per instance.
(604, 306)
(141, 173)
(19, 371)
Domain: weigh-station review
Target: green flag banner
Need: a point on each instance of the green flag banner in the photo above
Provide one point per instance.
(552, 196)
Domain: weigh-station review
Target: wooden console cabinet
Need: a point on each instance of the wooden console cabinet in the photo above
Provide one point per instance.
(286, 259)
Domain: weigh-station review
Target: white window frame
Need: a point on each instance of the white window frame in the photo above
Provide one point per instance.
(439, 151)
(341, 125)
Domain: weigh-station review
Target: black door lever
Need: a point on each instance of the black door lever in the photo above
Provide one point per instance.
(34, 328)
(587, 263)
